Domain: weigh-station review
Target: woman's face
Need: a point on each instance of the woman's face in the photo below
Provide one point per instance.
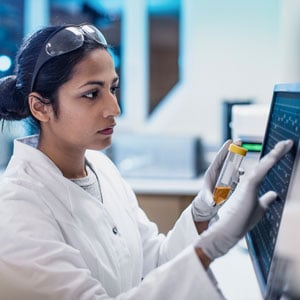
(87, 105)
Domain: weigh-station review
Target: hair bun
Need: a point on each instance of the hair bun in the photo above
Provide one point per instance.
(12, 106)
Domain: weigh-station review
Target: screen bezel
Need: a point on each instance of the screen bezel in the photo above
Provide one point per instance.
(266, 285)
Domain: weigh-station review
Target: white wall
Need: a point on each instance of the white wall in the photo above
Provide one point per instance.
(230, 49)
(290, 41)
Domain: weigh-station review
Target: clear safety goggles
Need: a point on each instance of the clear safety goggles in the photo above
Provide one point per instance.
(66, 39)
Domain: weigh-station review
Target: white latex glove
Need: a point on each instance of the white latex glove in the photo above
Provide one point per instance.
(203, 206)
(243, 209)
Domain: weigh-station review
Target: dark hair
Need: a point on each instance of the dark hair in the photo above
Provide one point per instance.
(14, 90)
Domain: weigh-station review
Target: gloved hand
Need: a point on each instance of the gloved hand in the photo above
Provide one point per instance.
(243, 209)
(203, 206)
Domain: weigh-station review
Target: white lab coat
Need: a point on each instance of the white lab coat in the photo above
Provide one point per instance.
(59, 242)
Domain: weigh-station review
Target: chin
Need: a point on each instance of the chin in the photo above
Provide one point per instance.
(102, 145)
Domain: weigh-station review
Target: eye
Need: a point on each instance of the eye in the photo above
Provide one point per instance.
(91, 94)
(114, 89)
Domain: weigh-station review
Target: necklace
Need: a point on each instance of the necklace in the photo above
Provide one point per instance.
(97, 179)
(90, 183)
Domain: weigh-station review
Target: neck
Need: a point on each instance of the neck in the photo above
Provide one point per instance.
(70, 162)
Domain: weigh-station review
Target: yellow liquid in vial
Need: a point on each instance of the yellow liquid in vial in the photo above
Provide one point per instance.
(221, 193)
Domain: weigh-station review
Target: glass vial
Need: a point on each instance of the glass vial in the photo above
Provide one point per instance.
(229, 174)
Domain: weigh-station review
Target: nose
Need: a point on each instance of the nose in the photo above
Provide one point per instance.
(112, 108)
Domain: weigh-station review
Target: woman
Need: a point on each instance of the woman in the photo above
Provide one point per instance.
(70, 226)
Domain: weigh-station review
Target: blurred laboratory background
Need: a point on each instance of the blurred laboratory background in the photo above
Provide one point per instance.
(192, 72)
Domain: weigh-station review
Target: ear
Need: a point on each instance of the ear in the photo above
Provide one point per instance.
(40, 110)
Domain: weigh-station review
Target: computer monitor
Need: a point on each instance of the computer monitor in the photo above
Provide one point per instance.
(283, 123)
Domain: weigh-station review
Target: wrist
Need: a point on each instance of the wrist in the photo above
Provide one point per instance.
(204, 259)
(201, 226)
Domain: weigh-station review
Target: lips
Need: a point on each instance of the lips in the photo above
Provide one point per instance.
(108, 130)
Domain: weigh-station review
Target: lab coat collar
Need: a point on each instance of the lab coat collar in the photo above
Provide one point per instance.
(43, 167)
(32, 153)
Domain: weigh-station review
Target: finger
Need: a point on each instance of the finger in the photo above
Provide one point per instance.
(266, 199)
(220, 156)
(264, 202)
(270, 159)
(214, 169)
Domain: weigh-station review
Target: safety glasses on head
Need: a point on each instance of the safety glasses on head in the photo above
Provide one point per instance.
(64, 40)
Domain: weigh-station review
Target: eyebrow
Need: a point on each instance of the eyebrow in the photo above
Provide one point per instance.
(101, 83)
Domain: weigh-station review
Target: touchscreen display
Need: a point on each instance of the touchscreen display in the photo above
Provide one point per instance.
(283, 123)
